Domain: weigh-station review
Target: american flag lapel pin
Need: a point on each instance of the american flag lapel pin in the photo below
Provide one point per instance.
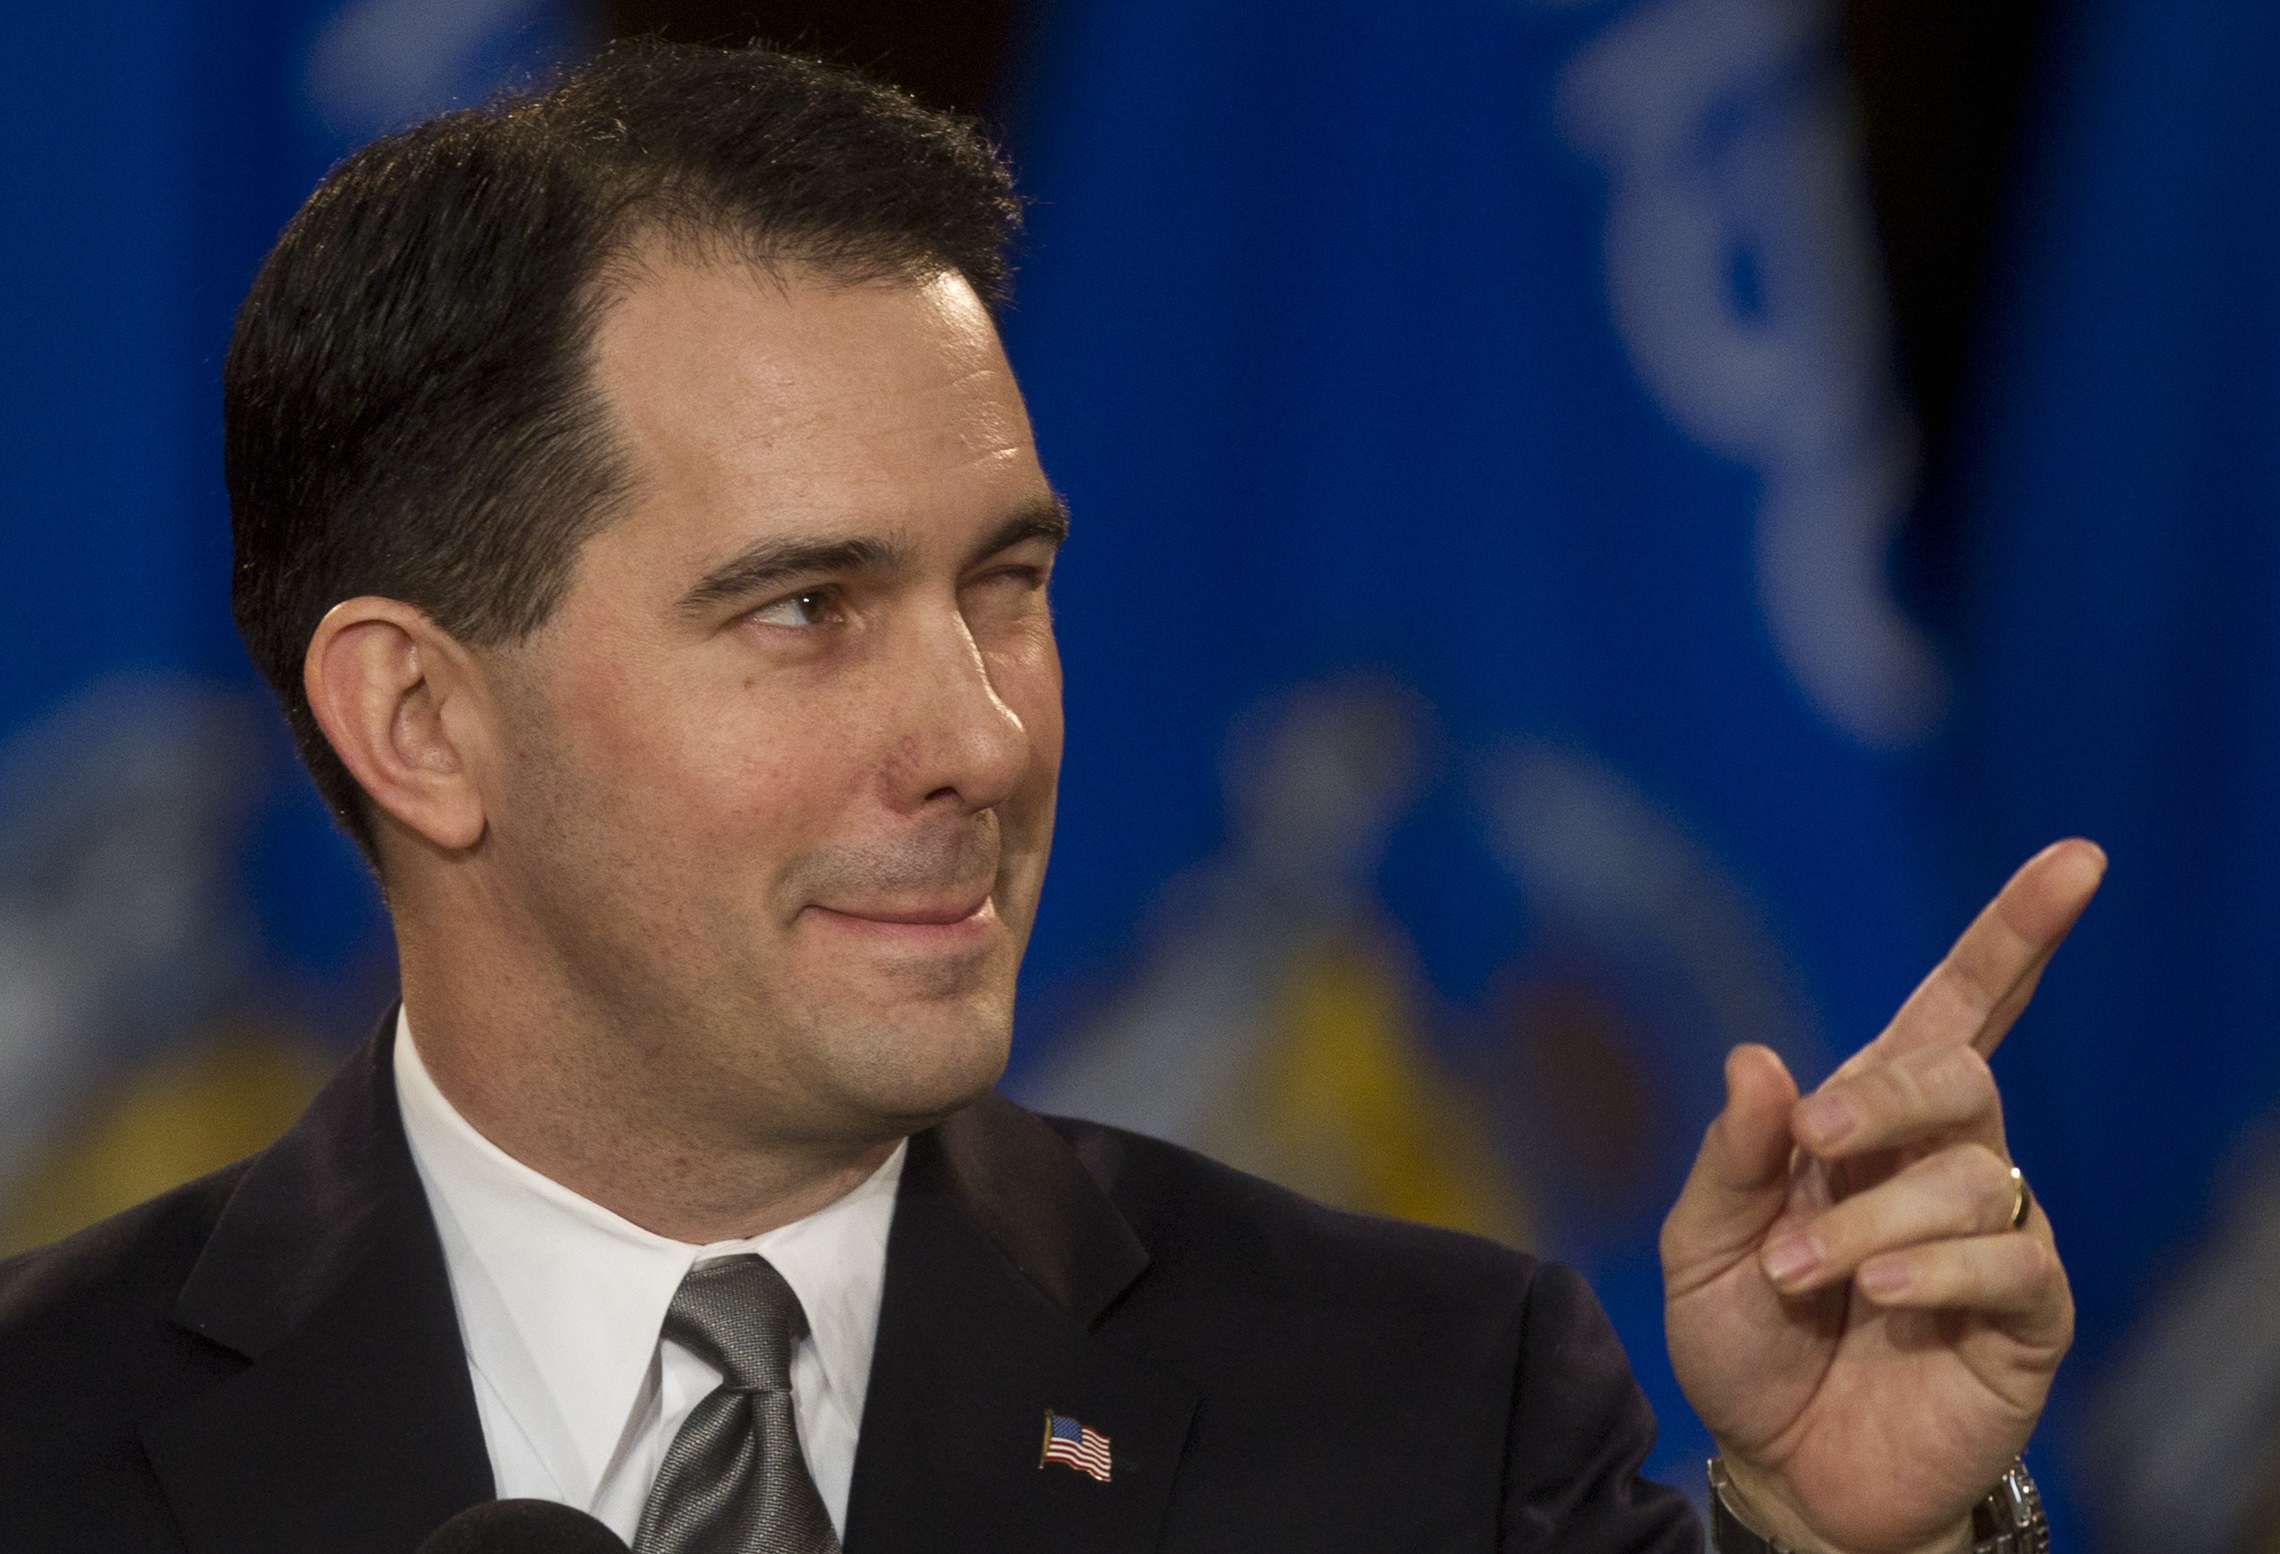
(1077, 1445)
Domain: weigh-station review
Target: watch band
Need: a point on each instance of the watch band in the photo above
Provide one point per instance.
(2009, 1520)
(1729, 1534)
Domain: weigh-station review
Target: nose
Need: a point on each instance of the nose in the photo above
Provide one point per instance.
(958, 741)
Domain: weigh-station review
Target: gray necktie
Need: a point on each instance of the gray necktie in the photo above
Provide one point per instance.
(734, 1481)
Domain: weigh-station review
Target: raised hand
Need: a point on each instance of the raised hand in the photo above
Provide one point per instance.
(1848, 1307)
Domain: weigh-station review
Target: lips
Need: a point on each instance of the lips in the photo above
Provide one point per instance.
(921, 918)
(929, 914)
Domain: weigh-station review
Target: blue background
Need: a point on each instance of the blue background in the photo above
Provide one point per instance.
(1315, 321)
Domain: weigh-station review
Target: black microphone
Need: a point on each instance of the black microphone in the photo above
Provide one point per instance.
(522, 1527)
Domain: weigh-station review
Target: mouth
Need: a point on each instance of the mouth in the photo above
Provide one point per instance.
(945, 923)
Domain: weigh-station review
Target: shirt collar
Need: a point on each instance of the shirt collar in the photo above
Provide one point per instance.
(561, 1300)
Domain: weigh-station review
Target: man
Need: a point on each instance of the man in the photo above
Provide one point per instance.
(637, 518)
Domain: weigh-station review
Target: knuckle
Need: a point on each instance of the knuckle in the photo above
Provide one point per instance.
(1970, 1169)
(1984, 1168)
(2040, 1261)
(1972, 1186)
(1956, 1081)
(1972, 980)
(1891, 1091)
(2029, 1270)
(1968, 1072)
(1990, 1178)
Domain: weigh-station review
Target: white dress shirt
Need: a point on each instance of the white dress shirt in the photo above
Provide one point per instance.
(561, 1302)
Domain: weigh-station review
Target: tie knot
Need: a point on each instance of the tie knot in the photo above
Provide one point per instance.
(739, 1316)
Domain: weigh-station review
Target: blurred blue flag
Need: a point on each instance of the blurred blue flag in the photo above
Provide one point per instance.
(1486, 704)
(2124, 509)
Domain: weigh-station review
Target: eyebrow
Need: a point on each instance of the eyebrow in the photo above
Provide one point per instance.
(773, 563)
(1047, 519)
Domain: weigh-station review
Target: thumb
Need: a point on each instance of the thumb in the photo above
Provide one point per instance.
(1740, 1179)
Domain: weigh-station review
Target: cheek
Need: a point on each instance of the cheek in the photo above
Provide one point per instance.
(706, 780)
(760, 780)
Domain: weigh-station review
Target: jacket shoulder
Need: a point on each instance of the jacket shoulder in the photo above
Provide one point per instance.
(86, 1323)
(1189, 1209)
(151, 1246)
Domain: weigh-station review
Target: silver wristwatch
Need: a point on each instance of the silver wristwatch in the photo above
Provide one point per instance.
(2009, 1521)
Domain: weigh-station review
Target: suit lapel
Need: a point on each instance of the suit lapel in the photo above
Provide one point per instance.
(354, 1428)
(1003, 1258)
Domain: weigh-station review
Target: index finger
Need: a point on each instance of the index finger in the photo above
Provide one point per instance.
(1976, 993)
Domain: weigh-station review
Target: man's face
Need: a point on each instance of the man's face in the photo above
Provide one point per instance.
(783, 762)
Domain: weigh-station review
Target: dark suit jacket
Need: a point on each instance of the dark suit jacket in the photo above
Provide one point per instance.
(267, 1360)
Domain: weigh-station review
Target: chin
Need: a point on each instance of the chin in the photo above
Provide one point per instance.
(905, 1074)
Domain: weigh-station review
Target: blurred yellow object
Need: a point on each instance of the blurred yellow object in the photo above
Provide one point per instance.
(159, 1126)
(1347, 1105)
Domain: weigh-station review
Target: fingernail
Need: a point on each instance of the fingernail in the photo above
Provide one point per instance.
(1792, 1261)
(1882, 1277)
(1827, 1119)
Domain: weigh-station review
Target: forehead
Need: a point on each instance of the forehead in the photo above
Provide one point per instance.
(746, 401)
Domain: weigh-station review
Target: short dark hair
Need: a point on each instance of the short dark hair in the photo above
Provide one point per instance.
(407, 403)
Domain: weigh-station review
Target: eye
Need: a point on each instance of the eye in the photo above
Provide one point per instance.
(814, 607)
(1010, 581)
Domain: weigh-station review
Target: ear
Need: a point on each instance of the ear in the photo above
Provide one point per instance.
(401, 703)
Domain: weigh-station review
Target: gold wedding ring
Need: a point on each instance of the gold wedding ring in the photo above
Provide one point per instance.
(2022, 1200)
